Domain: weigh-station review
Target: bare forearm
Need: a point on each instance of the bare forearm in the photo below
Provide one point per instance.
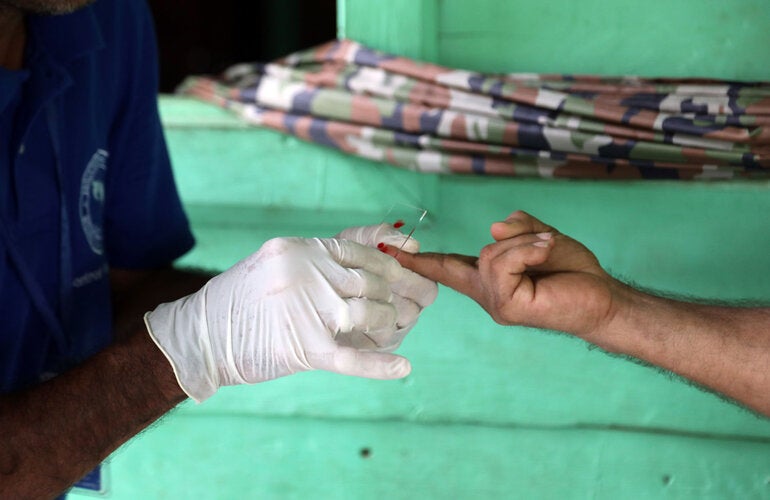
(136, 292)
(726, 349)
(53, 434)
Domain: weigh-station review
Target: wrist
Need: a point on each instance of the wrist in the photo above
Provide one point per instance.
(641, 324)
(175, 328)
(626, 306)
(162, 371)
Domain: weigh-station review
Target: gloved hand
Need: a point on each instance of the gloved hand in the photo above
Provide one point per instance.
(278, 312)
(411, 292)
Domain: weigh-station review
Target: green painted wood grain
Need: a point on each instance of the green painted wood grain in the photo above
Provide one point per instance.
(407, 27)
(240, 456)
(709, 38)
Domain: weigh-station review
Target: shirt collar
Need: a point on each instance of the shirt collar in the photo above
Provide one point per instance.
(67, 37)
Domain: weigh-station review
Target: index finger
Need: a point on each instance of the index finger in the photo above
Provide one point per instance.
(458, 272)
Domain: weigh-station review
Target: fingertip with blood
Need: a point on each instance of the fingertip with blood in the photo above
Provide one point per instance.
(388, 249)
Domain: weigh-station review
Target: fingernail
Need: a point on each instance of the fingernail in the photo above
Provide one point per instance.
(399, 223)
(544, 236)
(400, 368)
(543, 244)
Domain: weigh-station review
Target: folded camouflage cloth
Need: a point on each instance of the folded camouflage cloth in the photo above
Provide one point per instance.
(435, 119)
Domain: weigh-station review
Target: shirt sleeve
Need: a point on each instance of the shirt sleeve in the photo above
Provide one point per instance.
(145, 224)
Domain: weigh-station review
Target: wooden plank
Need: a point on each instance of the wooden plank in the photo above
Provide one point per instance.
(232, 169)
(231, 456)
(625, 37)
(655, 38)
(405, 27)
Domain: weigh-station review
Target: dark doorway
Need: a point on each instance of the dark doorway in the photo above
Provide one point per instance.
(205, 37)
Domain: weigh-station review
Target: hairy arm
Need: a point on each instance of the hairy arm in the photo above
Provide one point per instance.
(726, 349)
(535, 276)
(53, 434)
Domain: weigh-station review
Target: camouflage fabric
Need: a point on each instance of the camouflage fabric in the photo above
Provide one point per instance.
(435, 119)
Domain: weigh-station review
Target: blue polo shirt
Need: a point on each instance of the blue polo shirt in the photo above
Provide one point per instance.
(85, 184)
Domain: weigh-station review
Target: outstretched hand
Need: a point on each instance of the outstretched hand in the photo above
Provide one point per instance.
(532, 275)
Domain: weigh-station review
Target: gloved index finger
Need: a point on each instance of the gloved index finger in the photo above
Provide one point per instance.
(350, 254)
(380, 233)
(459, 272)
(416, 288)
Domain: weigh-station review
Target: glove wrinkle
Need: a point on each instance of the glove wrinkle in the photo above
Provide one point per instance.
(296, 304)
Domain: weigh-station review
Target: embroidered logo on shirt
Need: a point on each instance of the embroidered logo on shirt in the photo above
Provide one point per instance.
(92, 200)
(91, 276)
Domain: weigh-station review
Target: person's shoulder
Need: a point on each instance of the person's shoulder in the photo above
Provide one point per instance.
(122, 19)
(128, 57)
(120, 11)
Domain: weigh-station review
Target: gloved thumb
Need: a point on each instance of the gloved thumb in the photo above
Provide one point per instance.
(367, 364)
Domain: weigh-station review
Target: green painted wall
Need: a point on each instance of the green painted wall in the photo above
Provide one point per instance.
(709, 38)
(489, 411)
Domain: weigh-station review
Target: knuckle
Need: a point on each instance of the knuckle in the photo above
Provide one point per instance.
(485, 255)
(276, 246)
(347, 233)
(407, 311)
(497, 304)
(495, 315)
(352, 282)
(517, 215)
(501, 318)
(341, 320)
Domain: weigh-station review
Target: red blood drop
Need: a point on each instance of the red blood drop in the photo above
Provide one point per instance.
(399, 223)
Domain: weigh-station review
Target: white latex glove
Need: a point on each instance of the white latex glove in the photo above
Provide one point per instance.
(278, 312)
(411, 292)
